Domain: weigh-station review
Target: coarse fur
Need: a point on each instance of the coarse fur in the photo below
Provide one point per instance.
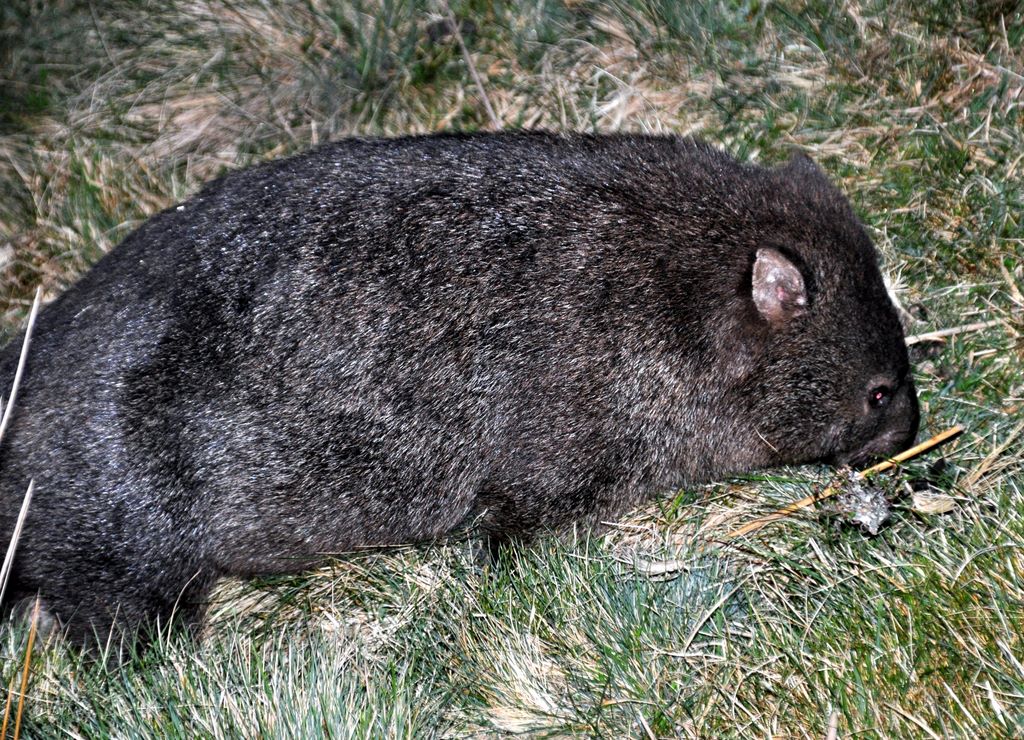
(380, 340)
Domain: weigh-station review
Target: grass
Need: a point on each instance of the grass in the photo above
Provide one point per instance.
(112, 111)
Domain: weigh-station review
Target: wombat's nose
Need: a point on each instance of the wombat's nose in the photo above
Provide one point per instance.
(905, 418)
(915, 416)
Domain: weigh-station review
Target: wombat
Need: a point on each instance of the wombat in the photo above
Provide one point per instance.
(382, 340)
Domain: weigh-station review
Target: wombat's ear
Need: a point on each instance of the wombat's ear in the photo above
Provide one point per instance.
(778, 287)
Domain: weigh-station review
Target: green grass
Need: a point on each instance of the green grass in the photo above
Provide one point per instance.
(112, 111)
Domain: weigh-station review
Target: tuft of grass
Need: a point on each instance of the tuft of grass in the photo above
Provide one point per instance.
(110, 112)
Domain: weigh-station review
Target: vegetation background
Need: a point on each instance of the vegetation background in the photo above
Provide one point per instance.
(111, 111)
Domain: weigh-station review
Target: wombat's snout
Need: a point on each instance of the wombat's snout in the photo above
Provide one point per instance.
(895, 432)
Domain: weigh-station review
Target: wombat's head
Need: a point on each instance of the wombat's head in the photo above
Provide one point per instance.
(828, 379)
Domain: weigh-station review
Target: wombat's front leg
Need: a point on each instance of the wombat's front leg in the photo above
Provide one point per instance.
(519, 508)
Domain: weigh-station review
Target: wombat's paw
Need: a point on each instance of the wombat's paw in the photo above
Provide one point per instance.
(484, 552)
(494, 554)
(46, 621)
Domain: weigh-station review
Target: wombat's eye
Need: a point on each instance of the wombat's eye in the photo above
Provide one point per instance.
(879, 397)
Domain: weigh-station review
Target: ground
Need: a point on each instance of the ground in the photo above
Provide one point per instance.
(111, 111)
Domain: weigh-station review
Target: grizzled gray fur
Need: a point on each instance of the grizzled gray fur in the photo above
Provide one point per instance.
(379, 341)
